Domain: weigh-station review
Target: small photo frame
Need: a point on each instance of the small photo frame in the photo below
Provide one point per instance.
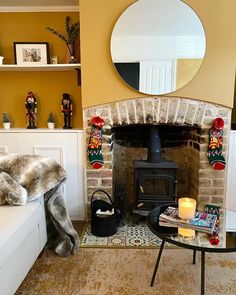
(31, 53)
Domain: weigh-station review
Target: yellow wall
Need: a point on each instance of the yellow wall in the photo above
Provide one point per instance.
(47, 86)
(186, 69)
(214, 81)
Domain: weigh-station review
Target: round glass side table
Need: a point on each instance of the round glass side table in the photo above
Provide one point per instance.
(199, 243)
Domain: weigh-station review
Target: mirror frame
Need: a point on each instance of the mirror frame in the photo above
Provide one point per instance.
(130, 71)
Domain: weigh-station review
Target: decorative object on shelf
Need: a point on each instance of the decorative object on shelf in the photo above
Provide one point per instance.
(1, 60)
(72, 38)
(31, 110)
(66, 108)
(51, 121)
(6, 121)
(214, 153)
(31, 53)
(53, 60)
(95, 143)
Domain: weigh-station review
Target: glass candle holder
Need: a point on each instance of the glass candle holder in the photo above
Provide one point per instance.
(187, 208)
(186, 233)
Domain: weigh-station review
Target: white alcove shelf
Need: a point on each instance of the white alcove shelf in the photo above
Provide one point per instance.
(38, 68)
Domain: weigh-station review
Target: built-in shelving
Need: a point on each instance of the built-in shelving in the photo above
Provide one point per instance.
(48, 67)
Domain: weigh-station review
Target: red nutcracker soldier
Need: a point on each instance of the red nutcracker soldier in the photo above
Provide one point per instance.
(31, 110)
(66, 108)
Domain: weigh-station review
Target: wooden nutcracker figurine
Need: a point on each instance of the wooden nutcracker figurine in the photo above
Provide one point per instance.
(31, 110)
(66, 109)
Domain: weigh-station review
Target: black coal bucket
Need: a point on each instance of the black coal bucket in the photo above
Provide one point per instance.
(103, 225)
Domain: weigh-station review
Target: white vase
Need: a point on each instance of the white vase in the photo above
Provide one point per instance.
(51, 125)
(7, 125)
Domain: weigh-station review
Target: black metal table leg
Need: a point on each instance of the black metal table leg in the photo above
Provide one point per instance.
(157, 263)
(202, 272)
(194, 256)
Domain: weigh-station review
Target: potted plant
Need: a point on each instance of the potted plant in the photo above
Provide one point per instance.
(51, 121)
(6, 121)
(71, 39)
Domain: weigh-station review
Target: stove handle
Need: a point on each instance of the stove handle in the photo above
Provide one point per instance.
(141, 189)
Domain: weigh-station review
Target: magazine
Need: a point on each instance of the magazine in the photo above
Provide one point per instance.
(202, 221)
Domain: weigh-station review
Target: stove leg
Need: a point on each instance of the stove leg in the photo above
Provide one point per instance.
(157, 263)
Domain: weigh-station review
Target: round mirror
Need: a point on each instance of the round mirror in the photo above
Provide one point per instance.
(157, 46)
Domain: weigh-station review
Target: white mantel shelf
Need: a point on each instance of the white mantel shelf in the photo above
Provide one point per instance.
(48, 67)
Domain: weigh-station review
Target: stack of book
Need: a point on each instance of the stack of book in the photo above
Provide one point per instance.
(203, 222)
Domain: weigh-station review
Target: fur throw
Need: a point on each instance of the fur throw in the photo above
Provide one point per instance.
(11, 192)
(24, 178)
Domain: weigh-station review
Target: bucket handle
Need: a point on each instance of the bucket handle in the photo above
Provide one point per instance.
(102, 192)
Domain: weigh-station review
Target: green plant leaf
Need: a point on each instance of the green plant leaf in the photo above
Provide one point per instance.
(72, 30)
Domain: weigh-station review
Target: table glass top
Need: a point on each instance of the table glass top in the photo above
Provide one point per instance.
(201, 241)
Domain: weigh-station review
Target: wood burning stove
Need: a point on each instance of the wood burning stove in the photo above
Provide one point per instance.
(155, 179)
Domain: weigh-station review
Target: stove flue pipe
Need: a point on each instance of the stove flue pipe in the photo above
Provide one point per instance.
(154, 145)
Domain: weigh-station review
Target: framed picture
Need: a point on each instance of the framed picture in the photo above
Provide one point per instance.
(31, 53)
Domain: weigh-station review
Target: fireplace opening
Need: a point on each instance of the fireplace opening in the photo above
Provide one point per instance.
(183, 125)
(151, 164)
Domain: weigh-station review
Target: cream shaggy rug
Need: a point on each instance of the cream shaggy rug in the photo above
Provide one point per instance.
(128, 272)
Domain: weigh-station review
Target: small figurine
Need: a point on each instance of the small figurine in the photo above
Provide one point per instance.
(31, 109)
(66, 109)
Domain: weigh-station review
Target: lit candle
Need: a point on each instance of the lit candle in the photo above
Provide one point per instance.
(186, 233)
(187, 208)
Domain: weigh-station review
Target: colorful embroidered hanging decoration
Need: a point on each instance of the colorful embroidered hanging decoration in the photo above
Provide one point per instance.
(214, 154)
(95, 143)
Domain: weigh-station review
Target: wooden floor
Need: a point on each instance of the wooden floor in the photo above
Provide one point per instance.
(79, 226)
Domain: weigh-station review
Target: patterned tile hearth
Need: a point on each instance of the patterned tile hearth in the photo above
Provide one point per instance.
(128, 236)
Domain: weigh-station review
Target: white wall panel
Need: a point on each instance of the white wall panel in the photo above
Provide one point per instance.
(64, 146)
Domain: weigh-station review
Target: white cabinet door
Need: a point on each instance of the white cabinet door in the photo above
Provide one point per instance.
(9, 142)
(157, 76)
(66, 148)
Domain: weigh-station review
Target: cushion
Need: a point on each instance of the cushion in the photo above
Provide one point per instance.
(16, 223)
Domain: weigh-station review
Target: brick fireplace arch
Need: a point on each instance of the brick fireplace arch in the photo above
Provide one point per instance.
(159, 110)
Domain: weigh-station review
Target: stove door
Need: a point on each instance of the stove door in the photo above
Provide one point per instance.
(155, 187)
